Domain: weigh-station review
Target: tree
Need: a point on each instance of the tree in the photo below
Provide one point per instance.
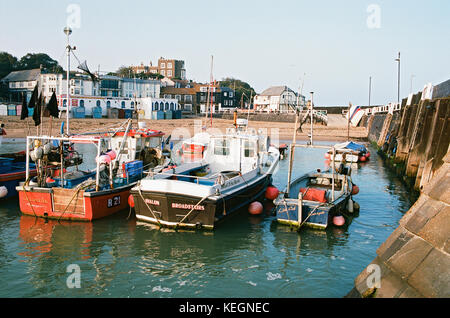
(36, 60)
(7, 64)
(241, 88)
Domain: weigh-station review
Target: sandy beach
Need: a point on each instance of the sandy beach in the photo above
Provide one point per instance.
(335, 131)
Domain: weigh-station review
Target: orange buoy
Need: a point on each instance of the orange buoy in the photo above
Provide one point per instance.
(362, 158)
(255, 208)
(338, 220)
(272, 193)
(131, 201)
(355, 189)
(368, 154)
(327, 155)
(49, 180)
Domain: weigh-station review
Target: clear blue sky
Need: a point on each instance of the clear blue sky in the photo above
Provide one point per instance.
(262, 42)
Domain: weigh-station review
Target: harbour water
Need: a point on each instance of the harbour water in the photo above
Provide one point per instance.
(246, 256)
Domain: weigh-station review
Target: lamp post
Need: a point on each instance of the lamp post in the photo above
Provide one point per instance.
(398, 78)
(68, 31)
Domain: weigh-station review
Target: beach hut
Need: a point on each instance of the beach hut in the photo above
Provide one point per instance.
(113, 113)
(3, 110)
(12, 110)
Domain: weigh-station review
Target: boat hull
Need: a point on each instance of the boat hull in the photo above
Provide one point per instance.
(71, 204)
(12, 180)
(184, 211)
(319, 218)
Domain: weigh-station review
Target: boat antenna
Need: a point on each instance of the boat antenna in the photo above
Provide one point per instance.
(68, 32)
(348, 120)
(312, 119)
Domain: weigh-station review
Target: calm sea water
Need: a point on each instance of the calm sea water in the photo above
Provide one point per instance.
(246, 256)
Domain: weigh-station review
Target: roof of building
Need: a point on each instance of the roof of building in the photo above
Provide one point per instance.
(22, 76)
(275, 91)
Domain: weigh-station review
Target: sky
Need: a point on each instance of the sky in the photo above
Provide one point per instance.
(330, 48)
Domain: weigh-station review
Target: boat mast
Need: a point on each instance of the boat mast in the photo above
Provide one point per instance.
(68, 31)
(312, 118)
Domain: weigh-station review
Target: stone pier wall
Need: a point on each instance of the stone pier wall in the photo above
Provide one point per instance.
(414, 261)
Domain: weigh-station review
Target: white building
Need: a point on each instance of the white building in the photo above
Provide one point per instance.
(147, 105)
(278, 98)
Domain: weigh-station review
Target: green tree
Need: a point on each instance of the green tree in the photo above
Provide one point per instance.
(242, 89)
(7, 63)
(35, 60)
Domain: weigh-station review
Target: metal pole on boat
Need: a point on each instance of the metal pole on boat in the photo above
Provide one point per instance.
(27, 161)
(332, 169)
(97, 176)
(312, 118)
(68, 31)
(299, 208)
(291, 152)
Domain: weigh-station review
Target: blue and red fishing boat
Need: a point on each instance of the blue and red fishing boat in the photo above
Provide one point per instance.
(12, 171)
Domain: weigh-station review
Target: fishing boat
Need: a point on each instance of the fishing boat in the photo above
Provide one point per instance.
(235, 170)
(349, 151)
(316, 199)
(12, 171)
(73, 192)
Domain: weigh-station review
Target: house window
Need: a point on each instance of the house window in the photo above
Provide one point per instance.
(123, 104)
(169, 73)
(225, 94)
(188, 98)
(169, 65)
(231, 94)
(167, 96)
(108, 104)
(81, 103)
(163, 73)
(98, 103)
(163, 65)
(178, 97)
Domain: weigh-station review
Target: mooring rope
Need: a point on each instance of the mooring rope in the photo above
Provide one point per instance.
(151, 211)
(176, 226)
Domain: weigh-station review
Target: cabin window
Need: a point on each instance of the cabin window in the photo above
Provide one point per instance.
(249, 148)
(221, 147)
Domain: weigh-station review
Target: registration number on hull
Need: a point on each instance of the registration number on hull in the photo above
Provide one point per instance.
(114, 201)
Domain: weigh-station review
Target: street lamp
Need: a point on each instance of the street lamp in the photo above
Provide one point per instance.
(398, 78)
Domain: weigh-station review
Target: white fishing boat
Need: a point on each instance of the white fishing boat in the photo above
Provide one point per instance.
(235, 170)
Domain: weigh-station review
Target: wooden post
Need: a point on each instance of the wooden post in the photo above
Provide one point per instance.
(300, 206)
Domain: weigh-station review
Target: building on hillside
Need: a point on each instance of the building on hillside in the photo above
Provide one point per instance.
(140, 69)
(186, 97)
(278, 99)
(169, 68)
(220, 98)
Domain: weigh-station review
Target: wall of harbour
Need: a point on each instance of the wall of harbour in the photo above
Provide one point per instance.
(414, 261)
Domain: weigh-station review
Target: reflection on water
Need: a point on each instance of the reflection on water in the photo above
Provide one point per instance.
(246, 256)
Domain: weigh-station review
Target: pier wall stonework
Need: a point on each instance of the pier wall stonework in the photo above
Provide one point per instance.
(414, 261)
